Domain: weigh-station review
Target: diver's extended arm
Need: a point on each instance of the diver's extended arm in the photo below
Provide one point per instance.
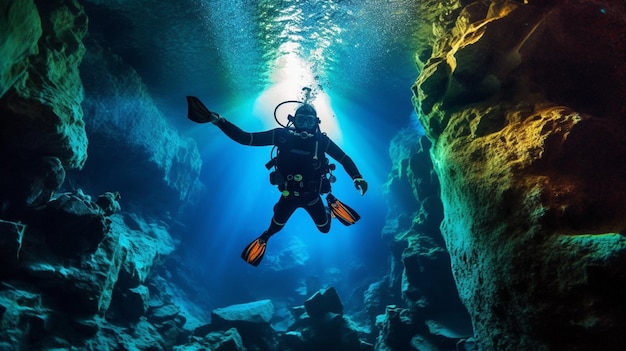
(335, 152)
(197, 112)
(245, 138)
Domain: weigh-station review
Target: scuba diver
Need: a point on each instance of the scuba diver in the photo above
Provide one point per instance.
(300, 168)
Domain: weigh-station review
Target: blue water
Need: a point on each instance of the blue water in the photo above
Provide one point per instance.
(242, 58)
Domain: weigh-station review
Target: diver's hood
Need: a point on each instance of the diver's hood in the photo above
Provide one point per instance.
(306, 109)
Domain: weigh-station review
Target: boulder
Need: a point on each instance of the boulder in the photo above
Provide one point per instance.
(109, 202)
(396, 329)
(251, 320)
(29, 185)
(146, 243)
(258, 312)
(163, 313)
(72, 224)
(323, 302)
(143, 248)
(128, 305)
(84, 287)
(22, 316)
(169, 322)
(228, 340)
(376, 296)
(323, 327)
(91, 266)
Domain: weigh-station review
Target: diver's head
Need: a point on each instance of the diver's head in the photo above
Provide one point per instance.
(306, 118)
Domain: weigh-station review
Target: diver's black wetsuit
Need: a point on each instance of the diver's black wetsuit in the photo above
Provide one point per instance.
(301, 155)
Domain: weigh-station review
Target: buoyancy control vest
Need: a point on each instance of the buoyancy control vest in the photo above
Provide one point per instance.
(301, 167)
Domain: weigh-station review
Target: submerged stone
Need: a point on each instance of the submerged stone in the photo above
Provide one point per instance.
(324, 302)
(252, 312)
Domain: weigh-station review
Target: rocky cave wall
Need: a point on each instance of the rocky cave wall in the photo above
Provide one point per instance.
(419, 275)
(73, 266)
(524, 102)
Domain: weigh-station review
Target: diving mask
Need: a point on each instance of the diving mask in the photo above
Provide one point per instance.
(303, 121)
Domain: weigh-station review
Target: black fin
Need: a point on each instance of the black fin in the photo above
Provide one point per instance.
(197, 112)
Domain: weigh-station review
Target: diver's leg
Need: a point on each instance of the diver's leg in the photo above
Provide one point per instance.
(253, 253)
(319, 213)
(283, 209)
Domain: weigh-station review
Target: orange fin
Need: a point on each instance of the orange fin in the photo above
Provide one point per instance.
(345, 214)
(253, 253)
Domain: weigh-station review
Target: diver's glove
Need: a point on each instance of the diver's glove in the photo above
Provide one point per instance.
(361, 185)
(216, 118)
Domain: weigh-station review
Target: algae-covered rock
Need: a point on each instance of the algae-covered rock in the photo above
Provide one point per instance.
(40, 100)
(20, 28)
(520, 101)
(41, 109)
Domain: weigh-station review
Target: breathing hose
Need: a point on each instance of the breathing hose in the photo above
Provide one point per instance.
(279, 105)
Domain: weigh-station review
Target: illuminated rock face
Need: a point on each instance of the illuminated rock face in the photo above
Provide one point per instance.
(525, 105)
(55, 93)
(40, 83)
(42, 132)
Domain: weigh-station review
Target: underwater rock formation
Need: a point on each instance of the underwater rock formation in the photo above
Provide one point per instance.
(41, 95)
(135, 147)
(56, 93)
(76, 272)
(21, 23)
(321, 325)
(421, 269)
(74, 276)
(524, 103)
